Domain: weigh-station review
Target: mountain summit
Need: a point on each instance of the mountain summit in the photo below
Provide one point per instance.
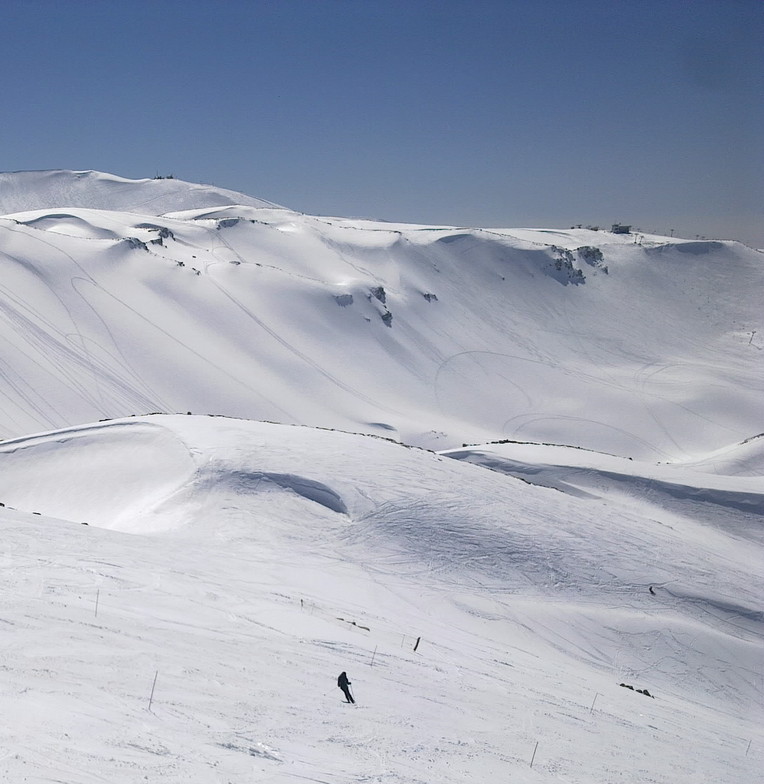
(39, 190)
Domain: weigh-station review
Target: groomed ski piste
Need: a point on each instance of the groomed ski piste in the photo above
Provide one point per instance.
(578, 564)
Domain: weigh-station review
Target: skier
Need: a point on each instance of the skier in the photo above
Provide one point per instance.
(651, 590)
(344, 683)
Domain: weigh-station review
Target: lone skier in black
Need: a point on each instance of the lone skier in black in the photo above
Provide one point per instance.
(344, 683)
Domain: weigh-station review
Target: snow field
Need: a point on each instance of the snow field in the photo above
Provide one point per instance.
(245, 592)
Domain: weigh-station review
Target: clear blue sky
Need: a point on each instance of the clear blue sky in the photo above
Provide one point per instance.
(505, 113)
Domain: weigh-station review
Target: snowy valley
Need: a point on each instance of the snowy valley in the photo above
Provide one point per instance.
(505, 478)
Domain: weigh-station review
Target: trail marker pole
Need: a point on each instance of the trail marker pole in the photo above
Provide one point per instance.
(98, 596)
(749, 747)
(417, 643)
(153, 685)
(534, 753)
(372, 656)
(596, 694)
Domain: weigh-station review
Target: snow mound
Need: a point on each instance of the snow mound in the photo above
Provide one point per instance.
(231, 213)
(110, 475)
(66, 223)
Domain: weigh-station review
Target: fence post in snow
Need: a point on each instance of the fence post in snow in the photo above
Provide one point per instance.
(749, 747)
(98, 595)
(372, 656)
(534, 753)
(416, 645)
(153, 685)
(596, 694)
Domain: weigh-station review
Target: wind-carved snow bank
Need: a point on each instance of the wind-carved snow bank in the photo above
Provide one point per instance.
(113, 475)
(137, 476)
(243, 482)
(68, 224)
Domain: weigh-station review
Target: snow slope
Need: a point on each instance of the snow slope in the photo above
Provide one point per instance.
(193, 630)
(647, 347)
(181, 591)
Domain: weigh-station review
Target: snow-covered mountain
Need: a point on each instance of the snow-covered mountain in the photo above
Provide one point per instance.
(43, 190)
(578, 601)
(637, 345)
